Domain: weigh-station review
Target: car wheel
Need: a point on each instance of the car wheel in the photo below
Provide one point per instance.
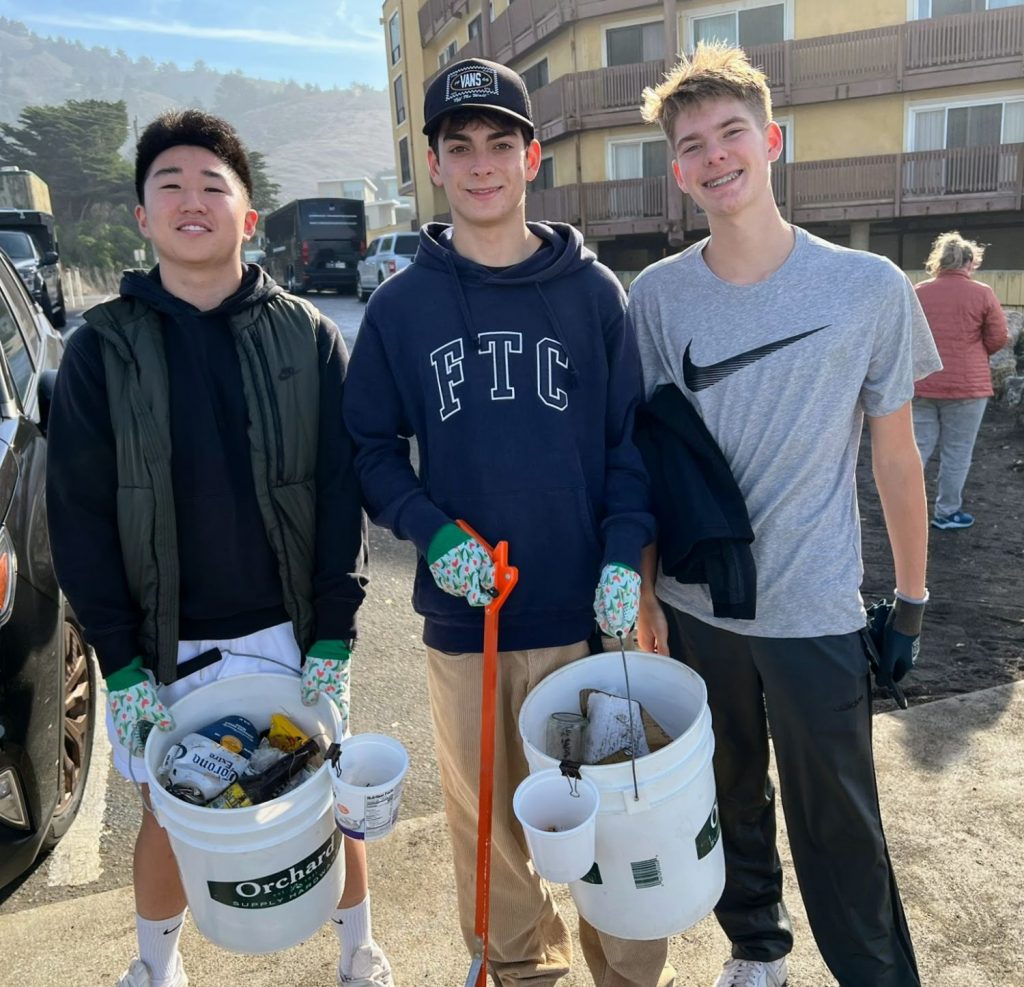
(60, 320)
(79, 722)
(361, 293)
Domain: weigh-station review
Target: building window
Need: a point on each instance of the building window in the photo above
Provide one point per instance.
(447, 55)
(747, 27)
(404, 171)
(546, 175)
(399, 101)
(633, 44)
(941, 8)
(968, 125)
(395, 39)
(536, 75)
(476, 27)
(638, 159)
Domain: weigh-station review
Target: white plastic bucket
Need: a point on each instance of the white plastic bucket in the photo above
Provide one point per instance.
(262, 878)
(659, 866)
(559, 820)
(367, 778)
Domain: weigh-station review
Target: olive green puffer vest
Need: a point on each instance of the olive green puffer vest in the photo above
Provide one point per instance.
(276, 345)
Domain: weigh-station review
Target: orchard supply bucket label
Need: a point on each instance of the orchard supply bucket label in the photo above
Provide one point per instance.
(709, 834)
(281, 887)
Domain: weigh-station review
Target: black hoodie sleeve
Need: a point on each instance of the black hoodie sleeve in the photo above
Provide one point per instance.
(81, 498)
(342, 567)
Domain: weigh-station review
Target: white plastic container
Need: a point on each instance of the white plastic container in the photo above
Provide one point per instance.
(559, 819)
(659, 866)
(367, 778)
(262, 878)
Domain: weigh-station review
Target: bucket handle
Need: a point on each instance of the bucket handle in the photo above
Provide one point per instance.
(147, 804)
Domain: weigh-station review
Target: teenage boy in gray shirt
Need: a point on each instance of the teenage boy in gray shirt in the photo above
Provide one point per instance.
(784, 343)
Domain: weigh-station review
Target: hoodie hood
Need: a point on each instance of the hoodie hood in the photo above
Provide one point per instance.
(562, 252)
(257, 288)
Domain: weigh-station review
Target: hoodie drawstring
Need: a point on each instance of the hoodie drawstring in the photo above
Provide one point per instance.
(574, 374)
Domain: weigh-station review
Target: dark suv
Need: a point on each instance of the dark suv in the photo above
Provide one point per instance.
(47, 677)
(39, 270)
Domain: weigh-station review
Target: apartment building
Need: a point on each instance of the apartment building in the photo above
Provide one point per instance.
(902, 118)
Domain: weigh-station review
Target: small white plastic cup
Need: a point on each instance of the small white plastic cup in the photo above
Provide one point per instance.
(559, 818)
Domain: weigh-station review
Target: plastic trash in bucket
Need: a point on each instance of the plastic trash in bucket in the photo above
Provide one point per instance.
(262, 878)
(659, 866)
(558, 816)
(367, 777)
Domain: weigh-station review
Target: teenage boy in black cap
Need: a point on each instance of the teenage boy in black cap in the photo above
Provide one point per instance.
(519, 382)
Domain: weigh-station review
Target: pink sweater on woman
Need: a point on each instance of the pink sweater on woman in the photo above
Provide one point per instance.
(968, 325)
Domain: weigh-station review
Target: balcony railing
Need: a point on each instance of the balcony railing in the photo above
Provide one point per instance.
(979, 47)
(598, 98)
(959, 180)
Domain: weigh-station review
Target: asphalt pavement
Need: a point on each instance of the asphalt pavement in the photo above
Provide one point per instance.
(950, 778)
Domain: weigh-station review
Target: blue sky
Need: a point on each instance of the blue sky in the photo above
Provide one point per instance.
(333, 42)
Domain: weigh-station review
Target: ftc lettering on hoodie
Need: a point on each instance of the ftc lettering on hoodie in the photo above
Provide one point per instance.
(519, 385)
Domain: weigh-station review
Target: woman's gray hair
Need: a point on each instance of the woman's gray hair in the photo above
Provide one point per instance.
(950, 252)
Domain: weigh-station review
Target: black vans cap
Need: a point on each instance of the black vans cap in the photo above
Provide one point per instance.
(476, 83)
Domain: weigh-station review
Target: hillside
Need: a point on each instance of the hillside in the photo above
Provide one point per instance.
(306, 133)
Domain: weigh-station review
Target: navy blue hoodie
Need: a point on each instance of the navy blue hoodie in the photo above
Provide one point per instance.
(519, 385)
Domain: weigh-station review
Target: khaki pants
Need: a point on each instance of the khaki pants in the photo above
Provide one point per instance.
(528, 941)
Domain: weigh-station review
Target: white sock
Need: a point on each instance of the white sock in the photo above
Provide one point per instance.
(158, 946)
(352, 926)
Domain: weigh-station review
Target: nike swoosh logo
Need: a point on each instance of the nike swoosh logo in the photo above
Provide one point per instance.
(167, 932)
(697, 378)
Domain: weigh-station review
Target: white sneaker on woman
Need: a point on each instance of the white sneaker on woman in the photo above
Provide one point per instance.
(753, 973)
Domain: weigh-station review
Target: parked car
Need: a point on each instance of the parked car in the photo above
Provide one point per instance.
(40, 271)
(48, 689)
(385, 256)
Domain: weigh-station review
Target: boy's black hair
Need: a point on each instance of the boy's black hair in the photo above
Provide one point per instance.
(193, 128)
(460, 119)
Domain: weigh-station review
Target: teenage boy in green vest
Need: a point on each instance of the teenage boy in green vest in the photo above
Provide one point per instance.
(202, 495)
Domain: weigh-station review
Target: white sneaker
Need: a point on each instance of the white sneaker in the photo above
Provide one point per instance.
(138, 975)
(370, 968)
(753, 973)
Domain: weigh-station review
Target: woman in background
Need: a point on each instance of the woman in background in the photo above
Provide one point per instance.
(968, 325)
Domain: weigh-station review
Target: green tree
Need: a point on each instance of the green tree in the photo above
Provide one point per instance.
(265, 190)
(74, 148)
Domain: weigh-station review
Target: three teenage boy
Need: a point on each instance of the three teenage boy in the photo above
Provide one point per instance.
(201, 495)
(784, 343)
(503, 350)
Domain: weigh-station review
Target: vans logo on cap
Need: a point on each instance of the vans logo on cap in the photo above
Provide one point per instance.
(470, 82)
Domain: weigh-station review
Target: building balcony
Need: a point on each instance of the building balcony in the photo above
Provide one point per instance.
(889, 186)
(925, 54)
(909, 57)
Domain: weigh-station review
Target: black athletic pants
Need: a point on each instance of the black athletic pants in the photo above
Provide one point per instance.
(814, 694)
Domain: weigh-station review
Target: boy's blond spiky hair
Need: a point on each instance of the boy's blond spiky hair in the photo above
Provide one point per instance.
(713, 71)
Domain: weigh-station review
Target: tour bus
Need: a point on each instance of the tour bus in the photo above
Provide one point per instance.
(315, 244)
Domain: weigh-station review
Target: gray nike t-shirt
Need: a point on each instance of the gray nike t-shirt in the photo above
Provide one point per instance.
(783, 372)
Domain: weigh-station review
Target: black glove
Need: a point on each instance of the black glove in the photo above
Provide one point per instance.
(895, 632)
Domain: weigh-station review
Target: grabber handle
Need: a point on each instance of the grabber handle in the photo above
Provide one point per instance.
(505, 578)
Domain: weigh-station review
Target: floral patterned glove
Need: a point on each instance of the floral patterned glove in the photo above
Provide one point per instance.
(326, 671)
(617, 599)
(461, 567)
(133, 701)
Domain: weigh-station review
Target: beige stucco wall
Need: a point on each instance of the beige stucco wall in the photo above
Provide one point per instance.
(875, 125)
(815, 18)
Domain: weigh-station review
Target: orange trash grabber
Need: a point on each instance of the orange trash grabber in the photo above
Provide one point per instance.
(505, 578)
